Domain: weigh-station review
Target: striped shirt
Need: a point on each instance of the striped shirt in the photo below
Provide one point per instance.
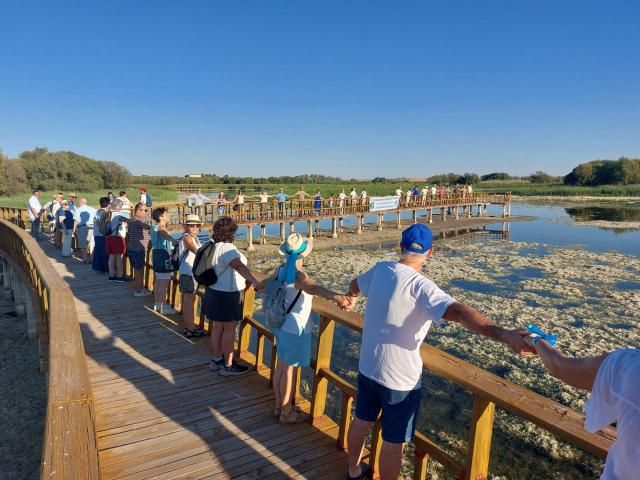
(138, 236)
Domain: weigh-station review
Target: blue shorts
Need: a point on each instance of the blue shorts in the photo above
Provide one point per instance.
(136, 259)
(294, 350)
(399, 409)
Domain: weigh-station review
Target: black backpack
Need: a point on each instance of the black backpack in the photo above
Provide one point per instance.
(203, 270)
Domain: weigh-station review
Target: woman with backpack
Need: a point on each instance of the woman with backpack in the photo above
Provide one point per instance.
(162, 244)
(187, 248)
(224, 299)
(293, 338)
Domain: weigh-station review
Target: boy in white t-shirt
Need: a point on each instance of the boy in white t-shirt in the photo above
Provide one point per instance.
(401, 305)
(614, 382)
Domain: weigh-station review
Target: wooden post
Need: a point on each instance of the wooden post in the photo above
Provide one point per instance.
(443, 214)
(380, 222)
(334, 227)
(479, 450)
(345, 421)
(250, 247)
(260, 353)
(414, 216)
(431, 215)
(292, 227)
(420, 464)
(263, 234)
(282, 239)
(323, 360)
(341, 224)
(457, 209)
(376, 446)
(359, 220)
(398, 222)
(310, 229)
(317, 228)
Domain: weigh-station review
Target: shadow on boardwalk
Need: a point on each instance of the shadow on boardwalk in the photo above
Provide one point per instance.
(161, 413)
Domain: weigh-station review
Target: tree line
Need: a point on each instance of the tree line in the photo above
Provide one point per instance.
(40, 169)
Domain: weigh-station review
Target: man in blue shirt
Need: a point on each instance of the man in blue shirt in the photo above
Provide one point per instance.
(282, 198)
(84, 216)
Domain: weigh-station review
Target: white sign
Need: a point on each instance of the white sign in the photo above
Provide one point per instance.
(379, 204)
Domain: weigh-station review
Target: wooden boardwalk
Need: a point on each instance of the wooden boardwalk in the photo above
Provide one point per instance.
(160, 412)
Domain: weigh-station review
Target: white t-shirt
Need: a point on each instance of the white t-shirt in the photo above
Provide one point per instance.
(34, 204)
(616, 398)
(353, 194)
(433, 190)
(228, 279)
(401, 304)
(118, 225)
(297, 321)
(425, 191)
(398, 192)
(264, 198)
(186, 263)
(143, 198)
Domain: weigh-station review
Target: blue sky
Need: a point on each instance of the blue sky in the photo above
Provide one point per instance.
(349, 88)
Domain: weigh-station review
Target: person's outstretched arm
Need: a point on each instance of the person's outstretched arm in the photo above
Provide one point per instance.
(577, 372)
(473, 320)
(306, 284)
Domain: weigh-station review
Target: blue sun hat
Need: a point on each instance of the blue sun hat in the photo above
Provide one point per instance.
(295, 246)
(417, 239)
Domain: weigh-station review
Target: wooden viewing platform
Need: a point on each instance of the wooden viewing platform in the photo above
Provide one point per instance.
(130, 398)
(252, 214)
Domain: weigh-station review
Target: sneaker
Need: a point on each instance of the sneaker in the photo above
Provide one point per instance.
(167, 309)
(233, 371)
(142, 293)
(120, 279)
(112, 279)
(215, 365)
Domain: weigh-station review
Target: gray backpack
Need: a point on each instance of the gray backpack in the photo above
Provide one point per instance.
(274, 303)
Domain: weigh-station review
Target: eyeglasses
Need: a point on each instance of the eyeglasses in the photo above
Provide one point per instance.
(193, 226)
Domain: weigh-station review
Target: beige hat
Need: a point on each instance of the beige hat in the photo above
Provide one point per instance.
(72, 195)
(193, 219)
(297, 243)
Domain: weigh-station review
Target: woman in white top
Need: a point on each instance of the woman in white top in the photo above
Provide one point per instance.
(239, 202)
(293, 338)
(187, 248)
(224, 300)
(612, 379)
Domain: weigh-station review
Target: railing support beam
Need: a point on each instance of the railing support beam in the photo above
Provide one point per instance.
(480, 439)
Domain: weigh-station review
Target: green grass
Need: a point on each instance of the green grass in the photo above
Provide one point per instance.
(517, 187)
(525, 188)
(162, 194)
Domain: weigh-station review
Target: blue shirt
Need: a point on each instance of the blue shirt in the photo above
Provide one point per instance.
(281, 197)
(85, 215)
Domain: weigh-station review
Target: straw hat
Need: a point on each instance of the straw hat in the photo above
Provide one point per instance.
(295, 242)
(192, 219)
(71, 194)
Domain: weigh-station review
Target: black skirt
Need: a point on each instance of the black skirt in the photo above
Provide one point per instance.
(223, 306)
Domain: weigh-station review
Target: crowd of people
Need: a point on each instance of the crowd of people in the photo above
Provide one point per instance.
(312, 203)
(402, 304)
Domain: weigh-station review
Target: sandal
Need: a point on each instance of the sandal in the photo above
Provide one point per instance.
(293, 417)
(196, 332)
(278, 411)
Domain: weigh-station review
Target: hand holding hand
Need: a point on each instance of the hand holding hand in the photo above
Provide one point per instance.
(518, 340)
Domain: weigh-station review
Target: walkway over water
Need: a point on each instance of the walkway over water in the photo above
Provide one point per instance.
(130, 397)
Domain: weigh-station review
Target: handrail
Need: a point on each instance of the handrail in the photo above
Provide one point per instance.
(488, 391)
(70, 447)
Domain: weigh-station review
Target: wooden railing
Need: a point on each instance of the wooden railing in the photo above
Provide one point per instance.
(69, 448)
(252, 212)
(19, 216)
(488, 391)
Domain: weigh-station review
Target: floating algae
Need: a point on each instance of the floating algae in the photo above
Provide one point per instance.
(589, 299)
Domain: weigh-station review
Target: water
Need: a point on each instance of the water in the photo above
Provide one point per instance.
(557, 225)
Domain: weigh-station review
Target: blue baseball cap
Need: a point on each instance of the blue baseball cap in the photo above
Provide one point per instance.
(417, 238)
